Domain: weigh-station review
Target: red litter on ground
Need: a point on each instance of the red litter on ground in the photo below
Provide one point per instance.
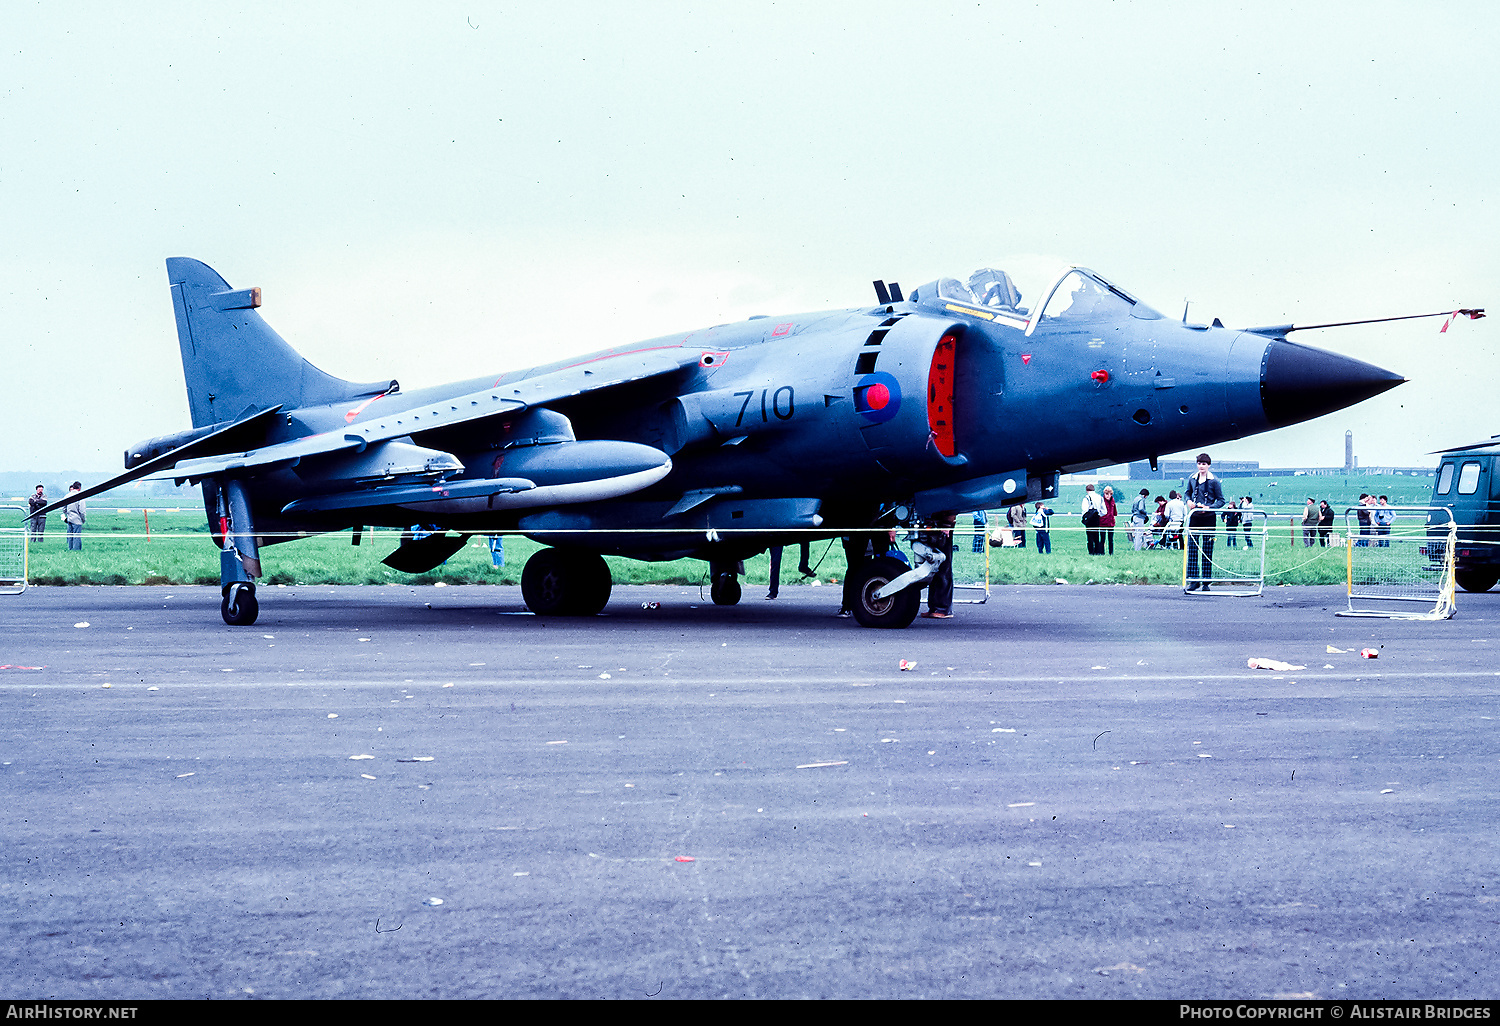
(684, 858)
(1370, 653)
(907, 664)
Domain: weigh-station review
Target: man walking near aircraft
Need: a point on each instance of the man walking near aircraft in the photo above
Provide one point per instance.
(1204, 495)
(74, 516)
(1139, 518)
(1042, 521)
(37, 524)
(1384, 517)
(939, 535)
(1309, 523)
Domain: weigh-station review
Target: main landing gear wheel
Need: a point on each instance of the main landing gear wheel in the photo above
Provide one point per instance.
(1476, 580)
(240, 607)
(725, 590)
(559, 583)
(897, 611)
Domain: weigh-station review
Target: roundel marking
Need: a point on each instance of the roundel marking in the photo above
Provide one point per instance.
(877, 397)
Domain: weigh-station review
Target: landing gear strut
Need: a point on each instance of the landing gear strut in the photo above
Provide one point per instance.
(239, 560)
(560, 582)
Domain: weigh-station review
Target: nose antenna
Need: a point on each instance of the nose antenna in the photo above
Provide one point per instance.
(1472, 313)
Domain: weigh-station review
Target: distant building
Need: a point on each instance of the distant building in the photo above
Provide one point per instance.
(1167, 470)
(1176, 470)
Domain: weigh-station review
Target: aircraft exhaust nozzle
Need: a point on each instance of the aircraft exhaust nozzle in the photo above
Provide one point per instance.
(1300, 382)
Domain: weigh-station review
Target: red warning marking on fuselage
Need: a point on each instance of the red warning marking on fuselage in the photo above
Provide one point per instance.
(349, 417)
(783, 329)
(712, 359)
(1025, 359)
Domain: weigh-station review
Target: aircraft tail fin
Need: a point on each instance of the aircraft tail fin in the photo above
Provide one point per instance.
(234, 362)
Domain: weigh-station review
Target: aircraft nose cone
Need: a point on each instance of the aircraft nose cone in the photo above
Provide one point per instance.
(1300, 382)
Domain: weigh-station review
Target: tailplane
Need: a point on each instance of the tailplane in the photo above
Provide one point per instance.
(234, 362)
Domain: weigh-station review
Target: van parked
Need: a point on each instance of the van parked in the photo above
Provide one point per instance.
(1468, 485)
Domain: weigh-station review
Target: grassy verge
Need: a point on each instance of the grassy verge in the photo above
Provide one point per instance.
(116, 550)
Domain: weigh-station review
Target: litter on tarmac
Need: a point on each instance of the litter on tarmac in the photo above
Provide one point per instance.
(1272, 664)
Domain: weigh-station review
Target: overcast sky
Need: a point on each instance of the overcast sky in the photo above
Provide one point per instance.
(435, 191)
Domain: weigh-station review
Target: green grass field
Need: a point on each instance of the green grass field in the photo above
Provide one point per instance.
(117, 550)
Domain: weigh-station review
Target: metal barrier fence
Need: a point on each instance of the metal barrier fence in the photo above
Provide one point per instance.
(13, 553)
(1233, 563)
(1403, 557)
(971, 566)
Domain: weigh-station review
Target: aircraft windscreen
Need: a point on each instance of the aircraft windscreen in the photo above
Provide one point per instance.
(1078, 296)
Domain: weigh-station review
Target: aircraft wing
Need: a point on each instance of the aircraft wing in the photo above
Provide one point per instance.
(286, 453)
(604, 371)
(384, 420)
(248, 426)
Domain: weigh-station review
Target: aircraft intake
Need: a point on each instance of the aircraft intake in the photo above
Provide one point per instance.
(1300, 382)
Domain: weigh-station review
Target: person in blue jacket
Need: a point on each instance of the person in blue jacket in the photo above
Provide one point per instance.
(1041, 523)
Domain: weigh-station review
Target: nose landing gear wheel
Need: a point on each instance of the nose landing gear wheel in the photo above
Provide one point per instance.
(240, 607)
(894, 612)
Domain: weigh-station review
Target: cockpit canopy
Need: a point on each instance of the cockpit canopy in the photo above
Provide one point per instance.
(988, 287)
(1078, 295)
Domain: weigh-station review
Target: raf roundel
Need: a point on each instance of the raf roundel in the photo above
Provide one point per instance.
(877, 397)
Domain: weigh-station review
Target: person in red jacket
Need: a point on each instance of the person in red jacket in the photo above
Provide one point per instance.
(1107, 521)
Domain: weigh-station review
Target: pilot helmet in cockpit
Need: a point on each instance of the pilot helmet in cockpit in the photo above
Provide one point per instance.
(993, 287)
